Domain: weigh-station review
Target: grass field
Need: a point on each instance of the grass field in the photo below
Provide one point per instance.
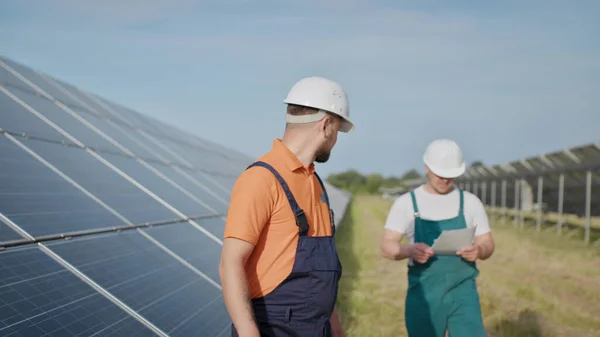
(535, 284)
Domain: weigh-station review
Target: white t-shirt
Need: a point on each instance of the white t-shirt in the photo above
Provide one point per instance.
(401, 217)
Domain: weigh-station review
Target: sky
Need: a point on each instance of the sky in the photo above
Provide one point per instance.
(504, 79)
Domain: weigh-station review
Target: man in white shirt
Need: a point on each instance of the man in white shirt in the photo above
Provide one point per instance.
(442, 294)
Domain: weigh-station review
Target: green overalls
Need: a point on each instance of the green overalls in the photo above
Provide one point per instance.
(442, 293)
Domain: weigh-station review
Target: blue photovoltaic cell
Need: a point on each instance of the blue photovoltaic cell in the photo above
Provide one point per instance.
(192, 245)
(15, 118)
(40, 201)
(150, 180)
(9, 81)
(198, 176)
(190, 182)
(200, 158)
(154, 284)
(214, 184)
(231, 154)
(114, 190)
(40, 82)
(39, 297)
(220, 183)
(7, 233)
(215, 226)
(181, 137)
(164, 151)
(89, 102)
(128, 116)
(122, 135)
(65, 121)
(226, 182)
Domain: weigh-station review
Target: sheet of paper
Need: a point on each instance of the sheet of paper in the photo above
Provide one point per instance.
(451, 241)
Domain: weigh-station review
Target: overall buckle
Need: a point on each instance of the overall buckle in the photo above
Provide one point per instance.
(301, 221)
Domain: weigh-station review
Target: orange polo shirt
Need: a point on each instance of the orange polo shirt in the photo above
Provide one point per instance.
(260, 213)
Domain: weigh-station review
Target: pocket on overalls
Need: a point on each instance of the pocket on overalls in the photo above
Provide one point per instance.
(324, 283)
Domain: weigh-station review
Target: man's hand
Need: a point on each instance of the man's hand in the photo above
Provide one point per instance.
(250, 331)
(482, 249)
(421, 252)
(470, 253)
(336, 325)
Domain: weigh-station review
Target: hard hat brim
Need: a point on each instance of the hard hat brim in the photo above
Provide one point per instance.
(347, 125)
(447, 173)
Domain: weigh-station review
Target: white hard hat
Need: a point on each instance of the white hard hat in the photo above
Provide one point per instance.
(444, 158)
(322, 94)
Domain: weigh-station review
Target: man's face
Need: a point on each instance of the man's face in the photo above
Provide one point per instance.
(439, 184)
(330, 135)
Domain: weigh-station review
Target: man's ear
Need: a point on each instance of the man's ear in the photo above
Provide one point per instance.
(326, 126)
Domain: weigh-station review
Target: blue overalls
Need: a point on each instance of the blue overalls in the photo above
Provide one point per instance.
(442, 293)
(302, 304)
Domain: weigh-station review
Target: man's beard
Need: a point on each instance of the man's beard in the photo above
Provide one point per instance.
(323, 156)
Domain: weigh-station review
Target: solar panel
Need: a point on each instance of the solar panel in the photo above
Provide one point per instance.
(39, 297)
(7, 234)
(41, 201)
(18, 120)
(573, 163)
(101, 181)
(110, 220)
(191, 245)
(29, 78)
(150, 281)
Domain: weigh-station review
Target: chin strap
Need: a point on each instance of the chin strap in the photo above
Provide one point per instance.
(302, 119)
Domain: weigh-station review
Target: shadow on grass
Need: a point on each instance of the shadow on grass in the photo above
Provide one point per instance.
(344, 240)
(527, 324)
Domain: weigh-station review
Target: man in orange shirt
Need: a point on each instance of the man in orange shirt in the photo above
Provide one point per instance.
(279, 266)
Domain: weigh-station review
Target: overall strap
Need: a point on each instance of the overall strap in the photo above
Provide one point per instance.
(461, 210)
(301, 219)
(414, 202)
(331, 214)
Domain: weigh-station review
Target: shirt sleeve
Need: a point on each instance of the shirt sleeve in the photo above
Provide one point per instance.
(251, 203)
(399, 216)
(479, 215)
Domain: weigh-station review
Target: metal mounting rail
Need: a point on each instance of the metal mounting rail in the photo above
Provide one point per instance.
(68, 235)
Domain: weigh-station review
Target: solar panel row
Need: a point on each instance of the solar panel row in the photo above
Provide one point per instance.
(109, 220)
(573, 164)
(76, 164)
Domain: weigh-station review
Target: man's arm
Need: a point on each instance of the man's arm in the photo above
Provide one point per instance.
(236, 294)
(391, 246)
(250, 207)
(398, 222)
(483, 235)
(393, 249)
(485, 245)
